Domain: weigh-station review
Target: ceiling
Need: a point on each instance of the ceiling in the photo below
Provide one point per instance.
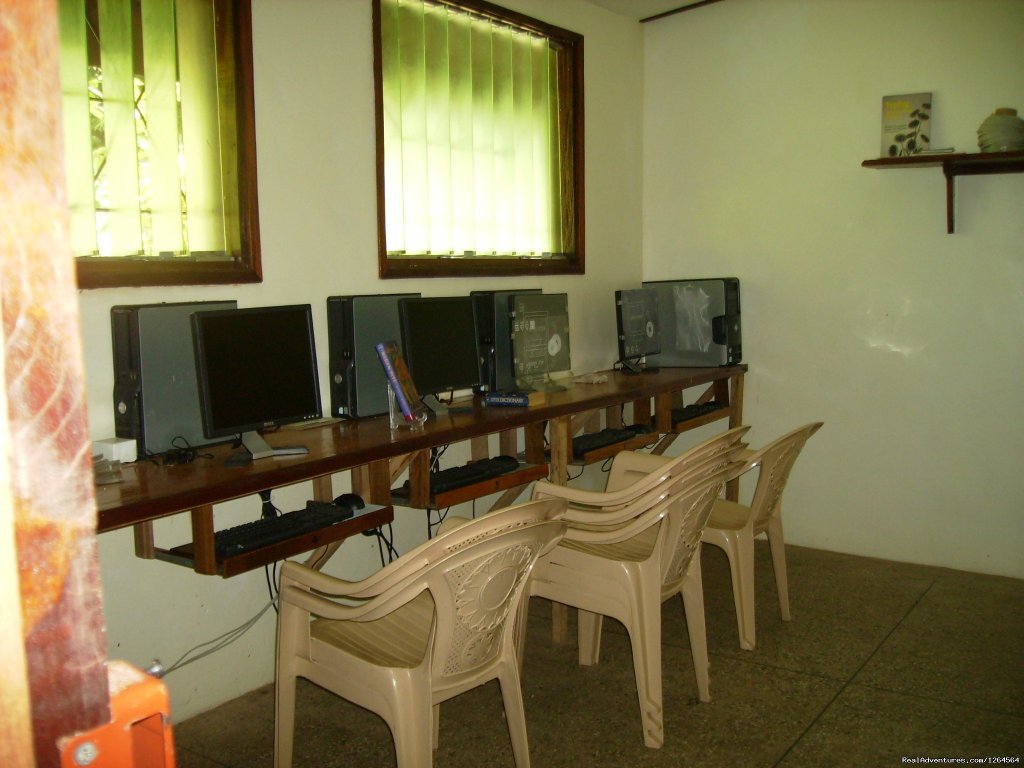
(642, 9)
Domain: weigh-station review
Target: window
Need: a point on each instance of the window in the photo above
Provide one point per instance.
(159, 141)
(480, 141)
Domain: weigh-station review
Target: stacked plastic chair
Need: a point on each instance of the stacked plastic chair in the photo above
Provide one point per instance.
(631, 547)
(436, 622)
(733, 526)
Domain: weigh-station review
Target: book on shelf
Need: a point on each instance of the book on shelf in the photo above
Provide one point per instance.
(906, 124)
(514, 398)
(398, 376)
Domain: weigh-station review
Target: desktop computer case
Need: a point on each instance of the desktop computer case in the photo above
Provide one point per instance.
(156, 397)
(700, 322)
(495, 333)
(355, 324)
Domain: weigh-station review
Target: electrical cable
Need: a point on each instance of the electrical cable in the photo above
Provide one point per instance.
(217, 643)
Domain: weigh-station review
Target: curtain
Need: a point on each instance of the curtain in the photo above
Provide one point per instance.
(471, 134)
(141, 127)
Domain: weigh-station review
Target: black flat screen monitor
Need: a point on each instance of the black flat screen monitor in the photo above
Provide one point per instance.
(256, 369)
(440, 343)
(636, 319)
(540, 337)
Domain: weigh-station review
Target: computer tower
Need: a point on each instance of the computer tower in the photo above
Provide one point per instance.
(355, 324)
(492, 316)
(637, 323)
(540, 336)
(156, 397)
(700, 322)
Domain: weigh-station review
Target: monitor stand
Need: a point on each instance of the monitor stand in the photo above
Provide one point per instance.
(434, 405)
(258, 448)
(635, 367)
(439, 408)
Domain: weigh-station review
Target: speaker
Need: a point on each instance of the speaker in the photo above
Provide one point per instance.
(354, 326)
(156, 398)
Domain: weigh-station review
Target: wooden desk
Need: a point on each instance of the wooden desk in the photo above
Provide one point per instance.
(376, 456)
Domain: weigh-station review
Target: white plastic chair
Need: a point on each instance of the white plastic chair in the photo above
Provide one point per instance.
(625, 559)
(436, 622)
(733, 526)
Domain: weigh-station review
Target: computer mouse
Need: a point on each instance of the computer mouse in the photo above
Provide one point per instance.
(352, 501)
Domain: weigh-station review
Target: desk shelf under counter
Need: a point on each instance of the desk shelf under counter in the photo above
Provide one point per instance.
(375, 456)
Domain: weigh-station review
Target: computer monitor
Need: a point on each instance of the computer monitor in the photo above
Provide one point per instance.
(540, 338)
(440, 344)
(256, 369)
(636, 318)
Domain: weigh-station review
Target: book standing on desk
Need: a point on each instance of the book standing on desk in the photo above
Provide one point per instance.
(398, 377)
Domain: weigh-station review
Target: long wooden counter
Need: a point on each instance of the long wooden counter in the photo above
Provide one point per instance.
(376, 455)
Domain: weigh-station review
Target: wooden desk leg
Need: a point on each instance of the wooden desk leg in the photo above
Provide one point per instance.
(202, 540)
(732, 488)
(508, 444)
(561, 449)
(419, 480)
(663, 422)
(642, 411)
(534, 437)
(373, 482)
(144, 546)
(612, 418)
(478, 448)
(323, 489)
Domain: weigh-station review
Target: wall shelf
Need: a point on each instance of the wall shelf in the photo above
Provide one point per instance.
(953, 165)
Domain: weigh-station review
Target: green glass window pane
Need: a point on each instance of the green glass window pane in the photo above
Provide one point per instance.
(77, 133)
(117, 179)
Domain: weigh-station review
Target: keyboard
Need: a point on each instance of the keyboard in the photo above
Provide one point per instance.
(693, 410)
(271, 530)
(591, 441)
(474, 472)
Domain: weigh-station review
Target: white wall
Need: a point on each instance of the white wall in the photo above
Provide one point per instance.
(858, 308)
(315, 139)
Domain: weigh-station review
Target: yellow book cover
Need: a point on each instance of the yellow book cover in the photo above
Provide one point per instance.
(906, 124)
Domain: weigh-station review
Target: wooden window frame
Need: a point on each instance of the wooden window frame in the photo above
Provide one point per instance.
(440, 266)
(245, 266)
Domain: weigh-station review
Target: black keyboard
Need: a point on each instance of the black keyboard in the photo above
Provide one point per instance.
(591, 441)
(270, 530)
(693, 410)
(474, 472)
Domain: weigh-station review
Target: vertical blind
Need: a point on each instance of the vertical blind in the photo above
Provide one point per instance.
(471, 135)
(141, 128)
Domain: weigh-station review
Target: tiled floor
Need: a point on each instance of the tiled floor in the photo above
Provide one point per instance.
(882, 661)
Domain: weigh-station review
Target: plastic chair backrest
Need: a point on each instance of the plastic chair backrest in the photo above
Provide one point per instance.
(449, 539)
(776, 460)
(476, 590)
(694, 500)
(637, 465)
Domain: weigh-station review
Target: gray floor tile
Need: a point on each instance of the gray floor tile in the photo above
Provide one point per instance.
(931, 653)
(868, 727)
(962, 642)
(843, 607)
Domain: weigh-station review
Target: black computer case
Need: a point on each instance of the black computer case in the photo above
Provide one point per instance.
(700, 322)
(156, 397)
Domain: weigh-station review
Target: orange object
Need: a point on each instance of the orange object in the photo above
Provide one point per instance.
(139, 732)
